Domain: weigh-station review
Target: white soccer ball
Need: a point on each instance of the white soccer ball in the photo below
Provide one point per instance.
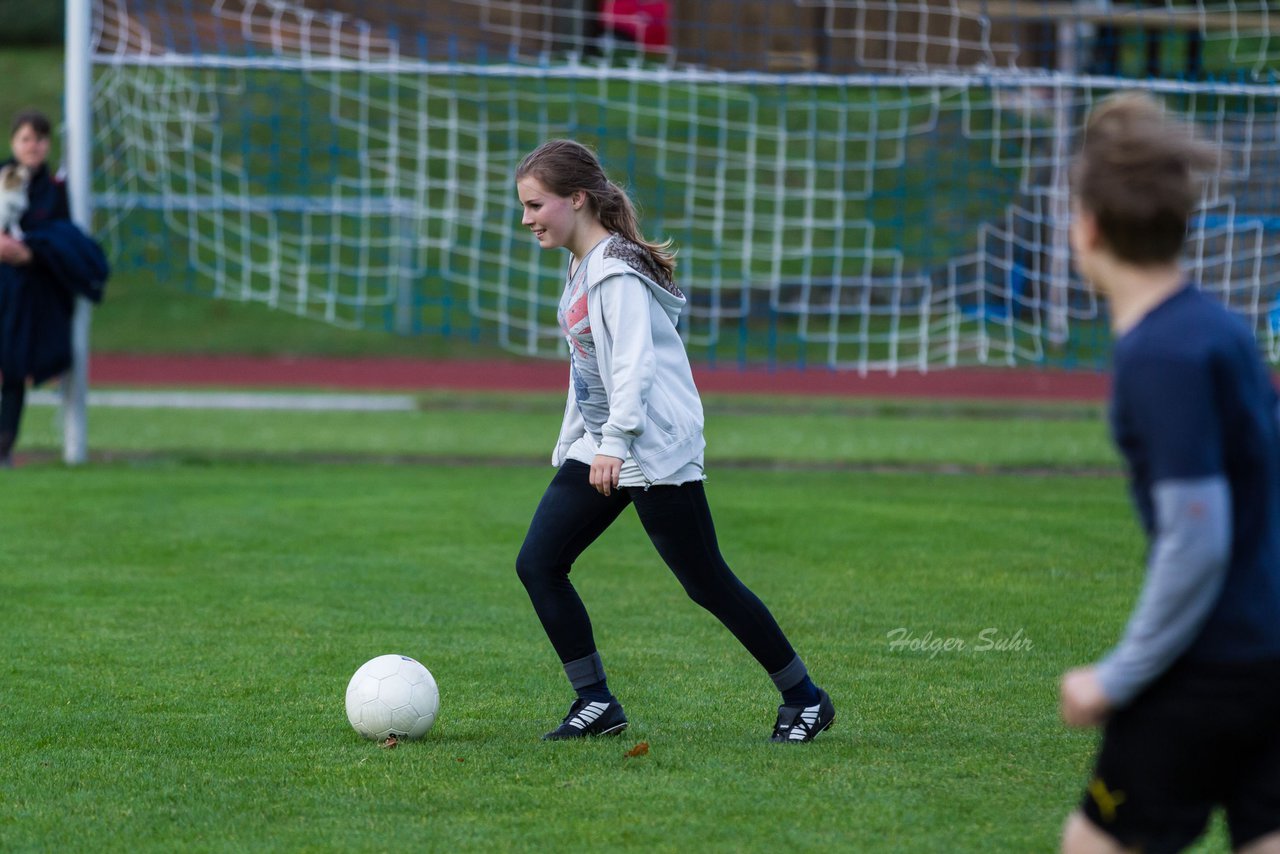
(392, 695)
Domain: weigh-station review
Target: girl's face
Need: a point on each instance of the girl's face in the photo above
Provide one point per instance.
(29, 148)
(553, 219)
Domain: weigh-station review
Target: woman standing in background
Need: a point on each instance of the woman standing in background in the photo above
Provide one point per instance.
(44, 264)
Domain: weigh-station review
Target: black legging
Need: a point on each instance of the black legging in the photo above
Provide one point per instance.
(13, 394)
(572, 514)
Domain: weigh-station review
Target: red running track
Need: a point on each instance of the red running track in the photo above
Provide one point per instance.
(115, 369)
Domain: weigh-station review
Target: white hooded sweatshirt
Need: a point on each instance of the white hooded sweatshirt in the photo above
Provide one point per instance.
(654, 412)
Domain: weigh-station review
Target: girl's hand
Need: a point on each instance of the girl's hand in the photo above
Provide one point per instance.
(13, 251)
(604, 473)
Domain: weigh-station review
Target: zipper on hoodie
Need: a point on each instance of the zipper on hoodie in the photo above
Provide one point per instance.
(648, 481)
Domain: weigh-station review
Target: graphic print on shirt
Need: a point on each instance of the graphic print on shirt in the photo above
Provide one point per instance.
(574, 320)
(581, 390)
(588, 387)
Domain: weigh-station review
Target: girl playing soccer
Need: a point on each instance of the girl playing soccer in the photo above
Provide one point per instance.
(632, 434)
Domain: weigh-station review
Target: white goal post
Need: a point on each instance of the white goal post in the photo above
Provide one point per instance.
(78, 109)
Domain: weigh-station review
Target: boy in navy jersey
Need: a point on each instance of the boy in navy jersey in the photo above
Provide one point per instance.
(1190, 697)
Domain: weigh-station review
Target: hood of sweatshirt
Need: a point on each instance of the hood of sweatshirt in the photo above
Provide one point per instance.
(641, 263)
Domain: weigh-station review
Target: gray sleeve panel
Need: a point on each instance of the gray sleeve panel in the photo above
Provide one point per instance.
(1185, 572)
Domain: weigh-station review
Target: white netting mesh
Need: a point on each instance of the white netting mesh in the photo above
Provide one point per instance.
(895, 198)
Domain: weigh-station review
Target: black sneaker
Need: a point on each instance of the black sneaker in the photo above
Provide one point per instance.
(590, 717)
(801, 723)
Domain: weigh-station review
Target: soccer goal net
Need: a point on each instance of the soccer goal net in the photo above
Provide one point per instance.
(851, 184)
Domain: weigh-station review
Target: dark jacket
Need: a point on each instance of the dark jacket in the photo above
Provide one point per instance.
(37, 299)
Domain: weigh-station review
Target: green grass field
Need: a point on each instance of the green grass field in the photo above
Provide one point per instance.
(180, 617)
(181, 620)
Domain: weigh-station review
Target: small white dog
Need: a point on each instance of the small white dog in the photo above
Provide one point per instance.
(13, 197)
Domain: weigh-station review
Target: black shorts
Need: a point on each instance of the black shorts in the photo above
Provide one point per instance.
(1200, 737)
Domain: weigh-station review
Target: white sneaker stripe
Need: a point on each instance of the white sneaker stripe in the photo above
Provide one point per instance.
(809, 717)
(588, 714)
